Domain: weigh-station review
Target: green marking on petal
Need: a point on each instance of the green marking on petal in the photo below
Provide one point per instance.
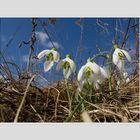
(88, 72)
(49, 56)
(65, 65)
(121, 55)
(88, 69)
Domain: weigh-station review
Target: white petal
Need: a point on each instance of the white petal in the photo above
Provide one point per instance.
(59, 65)
(117, 61)
(43, 53)
(117, 50)
(92, 78)
(67, 72)
(72, 64)
(118, 82)
(56, 55)
(125, 75)
(80, 76)
(48, 65)
(115, 57)
(97, 85)
(127, 55)
(80, 86)
(120, 65)
(127, 80)
(103, 72)
(98, 78)
(94, 67)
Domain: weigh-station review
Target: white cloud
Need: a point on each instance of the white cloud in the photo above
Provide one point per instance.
(56, 44)
(42, 37)
(44, 40)
(41, 81)
(25, 58)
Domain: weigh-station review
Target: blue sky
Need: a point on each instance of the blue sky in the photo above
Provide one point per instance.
(65, 35)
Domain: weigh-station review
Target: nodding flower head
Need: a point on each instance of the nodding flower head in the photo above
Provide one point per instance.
(67, 65)
(88, 69)
(119, 57)
(91, 73)
(87, 73)
(51, 57)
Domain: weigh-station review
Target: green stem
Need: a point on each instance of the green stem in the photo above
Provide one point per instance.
(109, 67)
(109, 70)
(76, 108)
(68, 93)
(110, 82)
(99, 55)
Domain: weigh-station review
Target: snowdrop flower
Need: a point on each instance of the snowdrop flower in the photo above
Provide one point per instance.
(126, 78)
(118, 82)
(125, 75)
(51, 57)
(99, 78)
(88, 73)
(67, 65)
(119, 56)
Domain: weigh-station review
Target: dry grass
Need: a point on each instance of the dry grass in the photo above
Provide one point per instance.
(51, 104)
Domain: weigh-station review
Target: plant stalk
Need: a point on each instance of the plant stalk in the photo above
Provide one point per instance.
(68, 93)
(109, 77)
(76, 108)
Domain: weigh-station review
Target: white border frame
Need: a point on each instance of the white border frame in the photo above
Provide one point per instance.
(69, 8)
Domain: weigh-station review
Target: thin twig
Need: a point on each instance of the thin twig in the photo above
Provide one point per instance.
(37, 113)
(23, 99)
(56, 104)
(126, 34)
(31, 43)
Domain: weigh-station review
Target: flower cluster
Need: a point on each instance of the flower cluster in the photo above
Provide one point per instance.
(67, 64)
(90, 72)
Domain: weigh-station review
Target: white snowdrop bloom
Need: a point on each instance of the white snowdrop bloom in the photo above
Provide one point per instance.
(97, 85)
(118, 82)
(67, 65)
(126, 77)
(119, 57)
(127, 80)
(51, 57)
(89, 72)
(101, 76)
